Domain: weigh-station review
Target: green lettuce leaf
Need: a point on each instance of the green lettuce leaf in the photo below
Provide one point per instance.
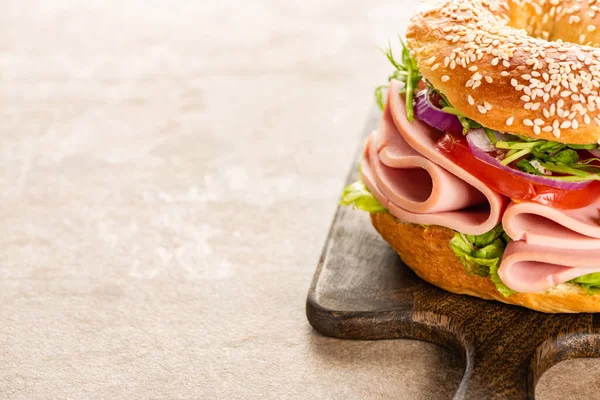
(460, 246)
(463, 250)
(590, 282)
(357, 195)
(478, 266)
(481, 254)
(491, 251)
(486, 238)
(502, 288)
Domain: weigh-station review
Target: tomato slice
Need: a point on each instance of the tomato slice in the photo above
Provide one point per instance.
(516, 187)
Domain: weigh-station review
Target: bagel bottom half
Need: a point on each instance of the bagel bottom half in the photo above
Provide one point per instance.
(427, 252)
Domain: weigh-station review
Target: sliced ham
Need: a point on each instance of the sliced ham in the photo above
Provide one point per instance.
(413, 182)
(530, 268)
(538, 224)
(417, 184)
(549, 246)
(367, 174)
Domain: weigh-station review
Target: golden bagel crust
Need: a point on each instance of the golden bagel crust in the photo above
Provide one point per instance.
(507, 65)
(426, 251)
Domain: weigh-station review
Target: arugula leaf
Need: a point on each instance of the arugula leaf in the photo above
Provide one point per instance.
(357, 195)
(568, 157)
(565, 169)
(590, 146)
(550, 147)
(525, 166)
(490, 135)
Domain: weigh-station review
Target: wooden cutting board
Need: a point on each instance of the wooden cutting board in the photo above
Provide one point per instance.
(362, 290)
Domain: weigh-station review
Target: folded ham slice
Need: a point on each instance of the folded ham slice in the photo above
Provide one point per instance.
(530, 268)
(542, 225)
(405, 172)
(549, 246)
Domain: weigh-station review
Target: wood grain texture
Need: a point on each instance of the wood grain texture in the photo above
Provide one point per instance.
(362, 290)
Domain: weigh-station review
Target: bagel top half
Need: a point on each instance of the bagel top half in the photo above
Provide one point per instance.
(529, 67)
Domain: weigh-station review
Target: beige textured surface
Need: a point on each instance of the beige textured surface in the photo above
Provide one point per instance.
(168, 174)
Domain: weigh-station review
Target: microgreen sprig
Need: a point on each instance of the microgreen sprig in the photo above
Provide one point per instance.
(407, 71)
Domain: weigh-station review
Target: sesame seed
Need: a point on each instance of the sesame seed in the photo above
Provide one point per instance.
(557, 80)
(556, 132)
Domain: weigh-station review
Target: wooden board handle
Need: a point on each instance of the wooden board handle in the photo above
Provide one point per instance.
(496, 366)
(362, 290)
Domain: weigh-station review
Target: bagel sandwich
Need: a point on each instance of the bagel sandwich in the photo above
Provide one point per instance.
(484, 171)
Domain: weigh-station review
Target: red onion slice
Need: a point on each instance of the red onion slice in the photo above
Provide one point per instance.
(488, 159)
(595, 152)
(479, 138)
(433, 116)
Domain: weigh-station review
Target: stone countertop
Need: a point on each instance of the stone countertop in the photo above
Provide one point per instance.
(169, 171)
